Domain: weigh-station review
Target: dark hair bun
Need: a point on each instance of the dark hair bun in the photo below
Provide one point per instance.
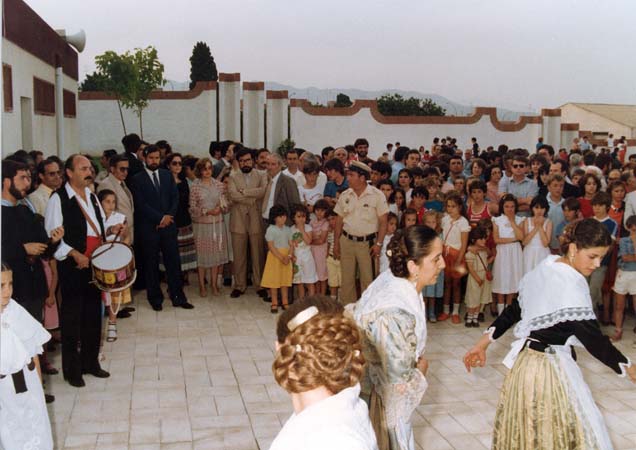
(411, 244)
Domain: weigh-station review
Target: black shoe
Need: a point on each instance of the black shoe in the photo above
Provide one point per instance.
(129, 309)
(123, 314)
(98, 373)
(76, 382)
(267, 299)
(481, 317)
(227, 282)
(475, 324)
(48, 369)
(184, 305)
(48, 398)
(262, 293)
(157, 307)
(274, 310)
(468, 324)
(236, 293)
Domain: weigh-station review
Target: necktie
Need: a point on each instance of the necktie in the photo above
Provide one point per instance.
(155, 180)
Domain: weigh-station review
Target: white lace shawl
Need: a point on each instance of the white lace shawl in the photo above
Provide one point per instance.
(388, 291)
(550, 294)
(21, 338)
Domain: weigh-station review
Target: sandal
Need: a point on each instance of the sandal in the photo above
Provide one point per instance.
(618, 335)
(274, 310)
(284, 306)
(111, 334)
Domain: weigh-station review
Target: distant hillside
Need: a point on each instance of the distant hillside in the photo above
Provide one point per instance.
(323, 96)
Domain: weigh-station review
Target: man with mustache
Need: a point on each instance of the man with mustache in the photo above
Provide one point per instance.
(74, 207)
(156, 199)
(246, 189)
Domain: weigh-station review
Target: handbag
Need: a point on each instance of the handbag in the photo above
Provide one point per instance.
(488, 272)
(454, 268)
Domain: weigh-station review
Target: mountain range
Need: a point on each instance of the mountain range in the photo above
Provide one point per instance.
(324, 96)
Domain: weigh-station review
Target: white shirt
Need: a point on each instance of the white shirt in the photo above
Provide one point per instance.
(270, 200)
(53, 218)
(150, 172)
(299, 177)
(339, 422)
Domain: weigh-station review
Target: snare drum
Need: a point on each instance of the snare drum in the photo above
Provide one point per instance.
(113, 267)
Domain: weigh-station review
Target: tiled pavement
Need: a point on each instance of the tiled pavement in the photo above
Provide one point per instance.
(202, 379)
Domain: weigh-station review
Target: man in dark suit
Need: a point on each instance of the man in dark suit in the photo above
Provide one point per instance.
(228, 148)
(156, 199)
(133, 145)
(281, 189)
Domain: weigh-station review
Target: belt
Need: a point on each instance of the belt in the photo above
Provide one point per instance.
(368, 237)
(19, 382)
(539, 346)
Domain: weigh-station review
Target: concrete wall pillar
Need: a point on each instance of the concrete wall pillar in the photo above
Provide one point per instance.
(569, 131)
(277, 118)
(254, 114)
(230, 106)
(551, 129)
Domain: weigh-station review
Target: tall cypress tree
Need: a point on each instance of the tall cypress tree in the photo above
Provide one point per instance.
(202, 65)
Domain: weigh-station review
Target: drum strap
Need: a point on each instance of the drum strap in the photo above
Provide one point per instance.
(89, 220)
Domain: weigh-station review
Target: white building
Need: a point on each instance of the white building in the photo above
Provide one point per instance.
(39, 80)
(602, 118)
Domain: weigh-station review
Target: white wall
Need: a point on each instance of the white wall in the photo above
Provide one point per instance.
(254, 118)
(24, 67)
(590, 121)
(188, 124)
(313, 132)
(230, 110)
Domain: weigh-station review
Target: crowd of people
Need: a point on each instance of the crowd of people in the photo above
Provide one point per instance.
(304, 225)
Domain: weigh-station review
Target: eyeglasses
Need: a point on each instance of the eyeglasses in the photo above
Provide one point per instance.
(518, 166)
(123, 169)
(176, 163)
(52, 174)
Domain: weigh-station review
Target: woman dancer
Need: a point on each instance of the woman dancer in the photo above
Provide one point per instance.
(544, 402)
(392, 317)
(319, 362)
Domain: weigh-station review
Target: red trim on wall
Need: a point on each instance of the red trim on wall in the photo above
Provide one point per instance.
(7, 87)
(158, 95)
(277, 95)
(43, 97)
(415, 120)
(569, 127)
(253, 85)
(229, 77)
(23, 27)
(551, 112)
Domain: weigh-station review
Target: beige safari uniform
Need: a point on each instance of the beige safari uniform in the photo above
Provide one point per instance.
(360, 219)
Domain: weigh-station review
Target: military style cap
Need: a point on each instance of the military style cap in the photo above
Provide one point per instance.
(360, 167)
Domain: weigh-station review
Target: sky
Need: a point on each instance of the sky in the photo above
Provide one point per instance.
(518, 54)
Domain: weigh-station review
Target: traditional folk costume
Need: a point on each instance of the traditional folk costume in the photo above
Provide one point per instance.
(340, 422)
(392, 320)
(80, 314)
(544, 402)
(24, 419)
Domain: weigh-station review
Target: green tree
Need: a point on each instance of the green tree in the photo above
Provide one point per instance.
(343, 101)
(396, 105)
(131, 77)
(94, 82)
(287, 144)
(202, 65)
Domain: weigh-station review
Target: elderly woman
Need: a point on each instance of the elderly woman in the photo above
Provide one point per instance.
(207, 206)
(183, 221)
(393, 321)
(319, 363)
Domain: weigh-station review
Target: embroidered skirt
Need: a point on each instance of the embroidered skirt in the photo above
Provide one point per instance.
(546, 405)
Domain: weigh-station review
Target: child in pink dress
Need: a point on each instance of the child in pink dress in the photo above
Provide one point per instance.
(319, 246)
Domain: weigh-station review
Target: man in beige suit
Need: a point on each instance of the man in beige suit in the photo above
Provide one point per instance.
(246, 189)
(115, 181)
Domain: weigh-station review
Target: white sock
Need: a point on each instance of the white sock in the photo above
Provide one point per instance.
(456, 308)
(446, 309)
(500, 308)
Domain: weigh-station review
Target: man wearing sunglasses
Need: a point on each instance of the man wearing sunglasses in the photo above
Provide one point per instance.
(519, 185)
(115, 181)
(50, 175)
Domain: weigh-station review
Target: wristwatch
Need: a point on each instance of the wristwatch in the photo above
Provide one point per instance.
(379, 244)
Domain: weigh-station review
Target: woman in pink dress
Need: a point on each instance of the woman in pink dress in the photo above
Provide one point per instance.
(207, 205)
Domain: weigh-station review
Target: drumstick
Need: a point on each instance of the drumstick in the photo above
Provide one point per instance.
(112, 244)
